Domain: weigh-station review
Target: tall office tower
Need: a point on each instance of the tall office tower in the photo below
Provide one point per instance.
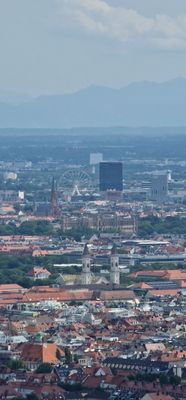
(96, 158)
(86, 276)
(114, 270)
(111, 176)
(159, 187)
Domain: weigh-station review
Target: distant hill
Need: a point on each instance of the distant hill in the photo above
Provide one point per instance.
(138, 104)
(12, 97)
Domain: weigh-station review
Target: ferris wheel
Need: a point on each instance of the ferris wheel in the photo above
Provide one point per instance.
(76, 181)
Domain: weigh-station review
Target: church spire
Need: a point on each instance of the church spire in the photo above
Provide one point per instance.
(54, 209)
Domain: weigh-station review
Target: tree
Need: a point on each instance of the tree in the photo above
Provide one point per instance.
(14, 365)
(58, 354)
(76, 358)
(17, 207)
(175, 380)
(44, 368)
(151, 224)
(17, 398)
(32, 396)
(68, 355)
(28, 208)
(164, 379)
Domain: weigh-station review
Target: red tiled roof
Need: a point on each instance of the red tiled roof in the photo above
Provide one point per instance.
(92, 382)
(38, 270)
(182, 284)
(158, 273)
(39, 353)
(54, 294)
(175, 274)
(157, 396)
(174, 356)
(165, 292)
(141, 285)
(117, 295)
(10, 287)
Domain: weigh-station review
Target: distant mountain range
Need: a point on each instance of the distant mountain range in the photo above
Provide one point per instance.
(138, 104)
(12, 97)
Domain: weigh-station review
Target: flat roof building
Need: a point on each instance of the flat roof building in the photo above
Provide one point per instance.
(159, 187)
(111, 176)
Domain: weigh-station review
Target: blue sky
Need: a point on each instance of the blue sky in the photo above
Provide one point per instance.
(60, 46)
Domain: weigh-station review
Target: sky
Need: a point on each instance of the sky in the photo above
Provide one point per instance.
(60, 46)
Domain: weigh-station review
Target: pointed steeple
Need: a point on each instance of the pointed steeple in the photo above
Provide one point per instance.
(53, 185)
(114, 250)
(54, 209)
(86, 251)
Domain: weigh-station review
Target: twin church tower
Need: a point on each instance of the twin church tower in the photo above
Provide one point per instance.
(86, 274)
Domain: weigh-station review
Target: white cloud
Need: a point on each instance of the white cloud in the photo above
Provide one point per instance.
(99, 18)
